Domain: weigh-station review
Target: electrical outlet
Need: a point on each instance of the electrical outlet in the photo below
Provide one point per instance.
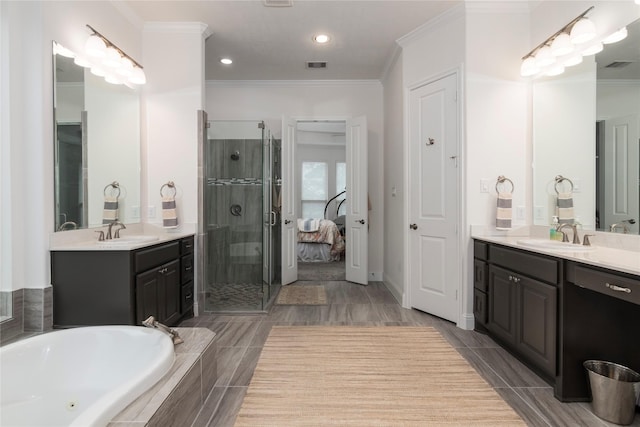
(135, 211)
(151, 212)
(577, 185)
(538, 212)
(484, 185)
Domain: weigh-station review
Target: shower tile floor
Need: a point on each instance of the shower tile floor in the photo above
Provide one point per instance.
(240, 339)
(234, 296)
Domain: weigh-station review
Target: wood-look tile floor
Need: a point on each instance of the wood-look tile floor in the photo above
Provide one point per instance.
(240, 339)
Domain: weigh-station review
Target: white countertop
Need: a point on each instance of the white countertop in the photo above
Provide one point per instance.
(614, 258)
(87, 239)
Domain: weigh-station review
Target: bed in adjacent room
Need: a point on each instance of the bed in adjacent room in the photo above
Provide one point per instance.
(319, 240)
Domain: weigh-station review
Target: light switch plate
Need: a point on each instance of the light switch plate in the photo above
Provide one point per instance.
(151, 212)
(485, 184)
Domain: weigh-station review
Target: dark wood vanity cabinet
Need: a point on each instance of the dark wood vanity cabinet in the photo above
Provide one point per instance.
(521, 304)
(123, 286)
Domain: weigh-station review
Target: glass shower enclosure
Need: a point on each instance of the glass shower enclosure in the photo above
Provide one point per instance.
(242, 249)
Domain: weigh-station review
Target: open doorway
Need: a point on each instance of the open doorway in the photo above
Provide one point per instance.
(321, 169)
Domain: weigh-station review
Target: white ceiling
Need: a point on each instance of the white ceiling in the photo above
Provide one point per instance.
(274, 43)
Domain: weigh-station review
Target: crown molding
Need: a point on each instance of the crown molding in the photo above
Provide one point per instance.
(280, 83)
(397, 52)
(440, 20)
(178, 27)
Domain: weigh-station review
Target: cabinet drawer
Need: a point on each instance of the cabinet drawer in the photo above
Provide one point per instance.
(186, 297)
(480, 271)
(480, 250)
(480, 306)
(186, 273)
(186, 245)
(156, 255)
(608, 283)
(536, 266)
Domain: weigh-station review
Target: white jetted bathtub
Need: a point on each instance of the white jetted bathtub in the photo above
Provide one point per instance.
(81, 376)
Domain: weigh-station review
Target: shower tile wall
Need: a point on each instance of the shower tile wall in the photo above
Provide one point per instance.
(234, 212)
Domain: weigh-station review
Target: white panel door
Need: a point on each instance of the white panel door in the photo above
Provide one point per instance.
(357, 221)
(434, 265)
(621, 172)
(289, 225)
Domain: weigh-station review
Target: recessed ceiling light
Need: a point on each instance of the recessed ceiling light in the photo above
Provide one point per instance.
(321, 38)
(226, 61)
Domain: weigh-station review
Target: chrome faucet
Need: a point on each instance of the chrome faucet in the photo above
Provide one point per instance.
(116, 235)
(66, 224)
(576, 238)
(151, 322)
(613, 227)
(622, 224)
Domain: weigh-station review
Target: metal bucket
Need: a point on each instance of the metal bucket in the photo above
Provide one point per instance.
(615, 389)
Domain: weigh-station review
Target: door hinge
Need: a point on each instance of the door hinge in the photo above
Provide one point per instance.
(456, 295)
(207, 125)
(261, 125)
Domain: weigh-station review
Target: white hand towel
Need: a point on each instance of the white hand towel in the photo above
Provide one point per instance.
(503, 211)
(169, 213)
(110, 211)
(564, 208)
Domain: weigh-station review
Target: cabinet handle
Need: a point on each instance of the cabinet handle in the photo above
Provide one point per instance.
(188, 268)
(513, 279)
(617, 288)
(189, 296)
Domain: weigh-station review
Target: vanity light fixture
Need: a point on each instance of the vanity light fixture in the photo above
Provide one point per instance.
(109, 61)
(226, 61)
(566, 47)
(58, 49)
(550, 52)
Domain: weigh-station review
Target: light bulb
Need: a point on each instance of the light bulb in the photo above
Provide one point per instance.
(98, 71)
(529, 67)
(58, 49)
(125, 68)
(82, 61)
(321, 38)
(555, 70)
(583, 31)
(562, 45)
(112, 58)
(113, 79)
(544, 57)
(621, 34)
(226, 61)
(95, 47)
(572, 60)
(138, 77)
(593, 49)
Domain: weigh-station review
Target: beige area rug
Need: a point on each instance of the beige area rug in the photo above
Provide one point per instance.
(302, 295)
(367, 376)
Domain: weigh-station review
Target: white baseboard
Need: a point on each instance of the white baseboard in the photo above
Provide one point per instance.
(467, 322)
(375, 276)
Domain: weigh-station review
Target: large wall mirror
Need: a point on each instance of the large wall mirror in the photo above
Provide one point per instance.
(586, 128)
(97, 148)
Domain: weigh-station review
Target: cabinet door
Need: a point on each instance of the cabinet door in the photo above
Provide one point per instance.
(169, 293)
(536, 338)
(147, 295)
(502, 304)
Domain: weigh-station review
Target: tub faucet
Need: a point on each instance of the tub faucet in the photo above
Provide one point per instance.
(151, 322)
(576, 238)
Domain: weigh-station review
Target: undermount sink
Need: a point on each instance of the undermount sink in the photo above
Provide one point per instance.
(128, 240)
(554, 245)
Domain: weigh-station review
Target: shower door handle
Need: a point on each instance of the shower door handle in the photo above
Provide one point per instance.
(273, 218)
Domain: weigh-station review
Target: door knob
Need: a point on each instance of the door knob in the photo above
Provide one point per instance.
(287, 221)
(413, 226)
(361, 221)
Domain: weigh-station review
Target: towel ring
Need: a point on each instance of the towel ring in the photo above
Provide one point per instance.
(559, 180)
(501, 180)
(171, 185)
(114, 186)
